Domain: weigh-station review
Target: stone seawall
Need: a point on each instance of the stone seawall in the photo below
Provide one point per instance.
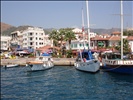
(56, 61)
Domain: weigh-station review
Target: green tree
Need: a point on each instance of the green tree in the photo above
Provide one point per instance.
(69, 36)
(61, 35)
(54, 36)
(128, 33)
(126, 47)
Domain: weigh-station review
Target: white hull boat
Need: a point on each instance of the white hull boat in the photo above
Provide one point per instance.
(86, 62)
(90, 66)
(11, 65)
(41, 63)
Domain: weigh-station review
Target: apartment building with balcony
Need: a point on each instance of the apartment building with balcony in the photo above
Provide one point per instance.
(33, 38)
(5, 43)
(17, 39)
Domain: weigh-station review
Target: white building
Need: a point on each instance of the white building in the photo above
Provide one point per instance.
(130, 39)
(76, 45)
(17, 38)
(34, 38)
(78, 32)
(79, 43)
(5, 43)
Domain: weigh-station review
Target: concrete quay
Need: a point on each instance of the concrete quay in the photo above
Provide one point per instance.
(22, 61)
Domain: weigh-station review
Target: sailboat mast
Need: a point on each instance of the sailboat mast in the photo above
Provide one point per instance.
(121, 29)
(83, 27)
(88, 27)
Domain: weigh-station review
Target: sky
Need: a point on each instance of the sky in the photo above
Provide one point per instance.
(63, 14)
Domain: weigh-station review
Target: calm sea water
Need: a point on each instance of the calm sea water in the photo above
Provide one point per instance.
(64, 83)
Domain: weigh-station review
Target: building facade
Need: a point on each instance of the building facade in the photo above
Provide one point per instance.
(17, 39)
(33, 38)
(5, 43)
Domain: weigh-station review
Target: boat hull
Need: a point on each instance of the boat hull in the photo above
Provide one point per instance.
(40, 66)
(118, 66)
(11, 66)
(124, 69)
(91, 66)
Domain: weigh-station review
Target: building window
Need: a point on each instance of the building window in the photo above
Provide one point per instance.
(75, 45)
(36, 33)
(31, 38)
(36, 43)
(87, 44)
(31, 43)
(36, 38)
(31, 33)
(80, 44)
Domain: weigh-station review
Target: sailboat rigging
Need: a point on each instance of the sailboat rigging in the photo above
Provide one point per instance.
(117, 65)
(85, 60)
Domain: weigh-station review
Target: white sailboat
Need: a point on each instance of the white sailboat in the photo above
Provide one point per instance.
(85, 60)
(118, 65)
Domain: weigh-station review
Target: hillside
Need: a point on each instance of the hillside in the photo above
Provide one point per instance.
(6, 29)
(5, 26)
(105, 31)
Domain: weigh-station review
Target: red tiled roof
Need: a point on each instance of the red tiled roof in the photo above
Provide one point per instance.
(113, 38)
(116, 33)
(130, 38)
(99, 38)
(44, 48)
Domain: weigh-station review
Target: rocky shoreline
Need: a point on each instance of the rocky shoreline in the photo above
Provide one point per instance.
(22, 61)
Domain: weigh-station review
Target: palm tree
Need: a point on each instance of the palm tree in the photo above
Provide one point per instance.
(69, 35)
(61, 35)
(54, 36)
(126, 47)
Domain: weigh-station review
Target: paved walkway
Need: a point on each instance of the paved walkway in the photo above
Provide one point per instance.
(22, 61)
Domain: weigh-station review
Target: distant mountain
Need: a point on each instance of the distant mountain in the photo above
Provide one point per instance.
(105, 31)
(5, 26)
(6, 29)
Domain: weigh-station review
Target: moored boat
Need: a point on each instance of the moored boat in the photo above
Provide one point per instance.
(112, 62)
(118, 64)
(40, 63)
(11, 65)
(86, 62)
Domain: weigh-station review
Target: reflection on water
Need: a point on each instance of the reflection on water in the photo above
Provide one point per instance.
(64, 82)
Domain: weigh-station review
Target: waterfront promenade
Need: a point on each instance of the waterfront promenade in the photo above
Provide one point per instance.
(22, 61)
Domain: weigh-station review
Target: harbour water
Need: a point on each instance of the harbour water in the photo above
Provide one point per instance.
(64, 83)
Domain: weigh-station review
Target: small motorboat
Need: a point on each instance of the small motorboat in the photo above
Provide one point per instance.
(40, 63)
(11, 65)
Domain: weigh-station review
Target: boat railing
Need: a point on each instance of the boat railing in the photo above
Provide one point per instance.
(119, 62)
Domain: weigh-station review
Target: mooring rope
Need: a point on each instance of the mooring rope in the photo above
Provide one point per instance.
(8, 78)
